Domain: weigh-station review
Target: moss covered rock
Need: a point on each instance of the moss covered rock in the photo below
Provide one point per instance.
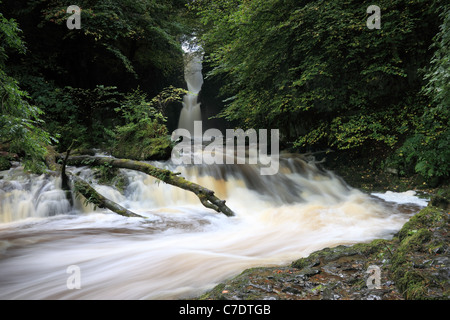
(51, 159)
(441, 199)
(146, 140)
(421, 264)
(110, 176)
(147, 149)
(415, 264)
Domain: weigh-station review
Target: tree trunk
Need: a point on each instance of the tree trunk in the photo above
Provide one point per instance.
(97, 199)
(86, 190)
(206, 196)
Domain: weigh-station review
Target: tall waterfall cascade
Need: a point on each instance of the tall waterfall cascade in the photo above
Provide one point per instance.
(193, 76)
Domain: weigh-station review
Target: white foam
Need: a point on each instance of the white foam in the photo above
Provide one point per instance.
(407, 197)
(183, 248)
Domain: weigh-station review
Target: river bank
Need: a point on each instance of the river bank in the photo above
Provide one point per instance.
(413, 265)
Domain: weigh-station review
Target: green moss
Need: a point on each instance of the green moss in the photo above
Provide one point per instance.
(215, 293)
(145, 149)
(413, 285)
(108, 175)
(437, 247)
(415, 241)
(145, 140)
(84, 190)
(50, 159)
(330, 254)
(423, 218)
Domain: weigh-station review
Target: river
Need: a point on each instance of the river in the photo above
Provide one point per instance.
(182, 248)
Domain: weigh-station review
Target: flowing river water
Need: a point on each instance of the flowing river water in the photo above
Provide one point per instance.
(182, 248)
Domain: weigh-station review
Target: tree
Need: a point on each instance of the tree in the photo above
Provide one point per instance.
(79, 77)
(428, 149)
(144, 135)
(120, 43)
(206, 196)
(315, 71)
(20, 124)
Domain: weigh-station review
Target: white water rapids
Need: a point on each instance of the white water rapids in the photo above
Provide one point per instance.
(183, 248)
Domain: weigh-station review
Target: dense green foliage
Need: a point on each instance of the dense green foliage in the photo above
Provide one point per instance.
(428, 150)
(311, 68)
(145, 135)
(314, 70)
(20, 124)
(78, 78)
(120, 43)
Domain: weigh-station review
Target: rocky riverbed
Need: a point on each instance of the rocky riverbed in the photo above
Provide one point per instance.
(415, 265)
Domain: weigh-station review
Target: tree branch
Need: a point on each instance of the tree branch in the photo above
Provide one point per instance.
(206, 196)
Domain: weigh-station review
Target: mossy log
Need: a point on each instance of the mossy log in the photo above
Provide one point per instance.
(91, 195)
(97, 199)
(206, 196)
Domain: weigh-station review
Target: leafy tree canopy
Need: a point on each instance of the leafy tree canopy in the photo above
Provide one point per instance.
(315, 70)
(78, 77)
(20, 124)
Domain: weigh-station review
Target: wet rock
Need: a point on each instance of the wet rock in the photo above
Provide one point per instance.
(292, 290)
(8, 186)
(374, 297)
(417, 269)
(415, 264)
(333, 269)
(328, 294)
(307, 272)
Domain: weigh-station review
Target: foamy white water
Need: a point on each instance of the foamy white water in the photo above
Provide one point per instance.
(182, 248)
(191, 110)
(402, 197)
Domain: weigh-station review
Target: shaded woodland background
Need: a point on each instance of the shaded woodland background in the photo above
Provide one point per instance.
(309, 68)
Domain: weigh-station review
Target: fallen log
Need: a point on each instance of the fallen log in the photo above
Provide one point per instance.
(92, 196)
(206, 196)
(97, 199)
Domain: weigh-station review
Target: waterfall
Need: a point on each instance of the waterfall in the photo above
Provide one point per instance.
(181, 248)
(194, 79)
